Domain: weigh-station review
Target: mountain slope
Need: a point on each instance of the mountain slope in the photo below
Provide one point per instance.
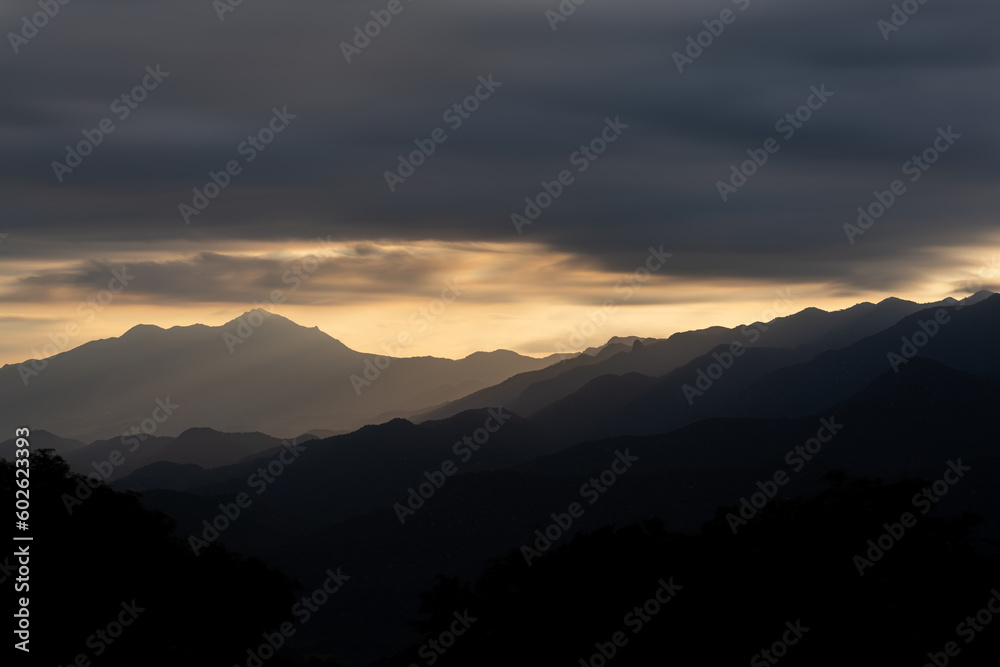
(906, 424)
(372, 467)
(963, 339)
(278, 378)
(41, 439)
(810, 331)
(634, 404)
(762, 382)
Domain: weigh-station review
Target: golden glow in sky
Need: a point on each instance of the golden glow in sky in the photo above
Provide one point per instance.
(452, 298)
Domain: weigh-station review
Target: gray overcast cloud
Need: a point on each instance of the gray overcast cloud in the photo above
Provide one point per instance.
(323, 175)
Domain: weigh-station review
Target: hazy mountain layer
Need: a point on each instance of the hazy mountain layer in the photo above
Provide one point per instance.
(277, 377)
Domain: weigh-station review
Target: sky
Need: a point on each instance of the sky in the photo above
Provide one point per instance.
(626, 168)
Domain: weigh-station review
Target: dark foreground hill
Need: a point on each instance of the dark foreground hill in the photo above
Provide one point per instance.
(913, 424)
(395, 506)
(108, 584)
(795, 585)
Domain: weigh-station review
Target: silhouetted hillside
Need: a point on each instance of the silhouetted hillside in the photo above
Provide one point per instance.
(680, 477)
(964, 340)
(43, 440)
(809, 331)
(398, 503)
(791, 577)
(634, 404)
(375, 466)
(276, 377)
(110, 563)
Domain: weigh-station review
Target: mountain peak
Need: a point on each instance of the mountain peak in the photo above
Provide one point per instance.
(892, 301)
(256, 316)
(981, 295)
(141, 329)
(487, 355)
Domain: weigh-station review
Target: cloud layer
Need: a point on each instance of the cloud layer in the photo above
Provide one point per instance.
(324, 174)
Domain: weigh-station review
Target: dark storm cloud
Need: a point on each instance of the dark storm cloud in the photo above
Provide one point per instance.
(212, 277)
(323, 175)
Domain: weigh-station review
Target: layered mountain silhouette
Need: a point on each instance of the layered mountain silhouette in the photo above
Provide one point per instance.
(765, 382)
(151, 385)
(909, 424)
(279, 378)
(895, 390)
(197, 448)
(809, 332)
(42, 439)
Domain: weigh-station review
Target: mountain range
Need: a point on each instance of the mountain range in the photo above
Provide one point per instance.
(893, 390)
(280, 378)
(109, 393)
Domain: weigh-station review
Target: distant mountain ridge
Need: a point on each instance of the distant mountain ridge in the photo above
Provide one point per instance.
(764, 382)
(809, 331)
(260, 372)
(908, 424)
(114, 458)
(410, 499)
